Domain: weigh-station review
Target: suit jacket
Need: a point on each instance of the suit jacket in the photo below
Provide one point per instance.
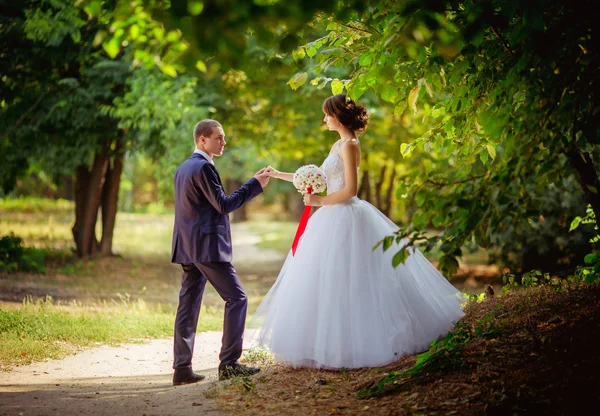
(201, 232)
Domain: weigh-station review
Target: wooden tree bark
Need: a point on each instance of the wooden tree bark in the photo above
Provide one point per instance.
(110, 198)
(67, 191)
(82, 179)
(87, 202)
(378, 188)
(388, 200)
(240, 214)
(364, 191)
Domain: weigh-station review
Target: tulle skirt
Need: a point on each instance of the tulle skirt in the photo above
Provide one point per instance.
(337, 303)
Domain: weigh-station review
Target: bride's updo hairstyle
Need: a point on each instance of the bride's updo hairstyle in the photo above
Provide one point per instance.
(352, 115)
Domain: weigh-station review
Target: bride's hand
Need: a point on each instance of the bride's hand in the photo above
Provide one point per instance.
(313, 200)
(271, 171)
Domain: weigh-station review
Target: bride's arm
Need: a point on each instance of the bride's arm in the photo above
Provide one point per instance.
(274, 173)
(349, 154)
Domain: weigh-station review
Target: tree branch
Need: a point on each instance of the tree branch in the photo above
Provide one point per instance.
(30, 109)
(441, 184)
(503, 40)
(356, 28)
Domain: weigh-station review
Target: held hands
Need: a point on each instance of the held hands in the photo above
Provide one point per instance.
(262, 177)
(271, 171)
(313, 200)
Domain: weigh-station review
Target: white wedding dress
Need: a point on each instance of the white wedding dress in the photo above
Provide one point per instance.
(337, 303)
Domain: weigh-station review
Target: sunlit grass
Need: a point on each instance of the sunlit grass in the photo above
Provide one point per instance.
(135, 234)
(43, 329)
(143, 235)
(274, 235)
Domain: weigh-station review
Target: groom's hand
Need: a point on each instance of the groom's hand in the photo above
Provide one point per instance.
(262, 177)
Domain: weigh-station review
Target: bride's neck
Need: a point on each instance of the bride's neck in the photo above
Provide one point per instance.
(346, 134)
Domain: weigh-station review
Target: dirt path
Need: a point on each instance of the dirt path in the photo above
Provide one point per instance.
(131, 379)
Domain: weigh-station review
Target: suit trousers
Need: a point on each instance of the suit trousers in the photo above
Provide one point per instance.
(226, 282)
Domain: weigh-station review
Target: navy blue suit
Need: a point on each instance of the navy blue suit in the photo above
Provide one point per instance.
(202, 245)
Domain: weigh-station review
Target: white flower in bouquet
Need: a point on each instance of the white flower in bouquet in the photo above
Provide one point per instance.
(310, 179)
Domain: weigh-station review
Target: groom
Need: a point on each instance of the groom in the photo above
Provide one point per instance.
(202, 245)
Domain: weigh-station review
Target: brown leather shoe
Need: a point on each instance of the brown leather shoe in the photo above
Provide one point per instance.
(186, 376)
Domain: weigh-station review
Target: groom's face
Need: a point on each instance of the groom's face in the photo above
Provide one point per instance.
(215, 142)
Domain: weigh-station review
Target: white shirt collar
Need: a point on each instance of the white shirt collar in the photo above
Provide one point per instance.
(203, 153)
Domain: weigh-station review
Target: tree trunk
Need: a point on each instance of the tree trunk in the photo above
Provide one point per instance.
(110, 198)
(294, 205)
(588, 177)
(82, 179)
(67, 191)
(364, 191)
(240, 214)
(388, 201)
(378, 188)
(87, 202)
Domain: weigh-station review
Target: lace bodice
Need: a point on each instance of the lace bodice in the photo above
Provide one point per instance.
(334, 170)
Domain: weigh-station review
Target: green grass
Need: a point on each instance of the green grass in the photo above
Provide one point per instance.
(43, 329)
(33, 205)
(275, 235)
(44, 225)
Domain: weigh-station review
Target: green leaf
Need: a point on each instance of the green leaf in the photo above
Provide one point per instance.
(575, 223)
(201, 66)
(399, 108)
(365, 59)
(428, 88)
(406, 149)
(168, 69)
(399, 257)
(491, 151)
(298, 80)
(449, 264)
(377, 245)
(311, 51)
(420, 218)
(483, 156)
(112, 47)
(389, 93)
(298, 54)
(591, 258)
(323, 83)
(356, 89)
(437, 220)
(195, 7)
(412, 98)
(337, 86)
(172, 36)
(93, 7)
(401, 190)
(134, 31)
(387, 242)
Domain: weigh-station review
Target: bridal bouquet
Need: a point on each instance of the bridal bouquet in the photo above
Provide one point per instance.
(310, 179)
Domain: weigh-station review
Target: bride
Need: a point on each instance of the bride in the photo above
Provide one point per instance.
(336, 302)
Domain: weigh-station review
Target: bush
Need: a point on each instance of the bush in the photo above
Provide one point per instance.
(14, 257)
(544, 242)
(35, 204)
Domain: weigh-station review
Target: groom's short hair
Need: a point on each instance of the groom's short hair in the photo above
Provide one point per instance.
(205, 128)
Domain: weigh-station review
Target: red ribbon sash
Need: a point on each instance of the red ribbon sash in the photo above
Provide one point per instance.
(301, 227)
